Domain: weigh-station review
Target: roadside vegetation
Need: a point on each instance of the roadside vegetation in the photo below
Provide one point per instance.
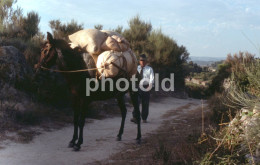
(236, 110)
(198, 79)
(233, 98)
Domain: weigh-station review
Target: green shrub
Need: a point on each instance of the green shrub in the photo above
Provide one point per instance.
(33, 50)
(196, 91)
(222, 73)
(239, 141)
(62, 31)
(221, 111)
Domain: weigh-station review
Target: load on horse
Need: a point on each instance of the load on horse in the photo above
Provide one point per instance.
(110, 51)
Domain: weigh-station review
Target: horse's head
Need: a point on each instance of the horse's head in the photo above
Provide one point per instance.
(49, 53)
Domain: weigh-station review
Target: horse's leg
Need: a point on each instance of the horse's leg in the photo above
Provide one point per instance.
(121, 104)
(75, 122)
(75, 134)
(134, 98)
(82, 114)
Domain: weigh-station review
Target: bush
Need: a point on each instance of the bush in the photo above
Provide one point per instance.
(62, 31)
(221, 111)
(222, 73)
(19, 43)
(196, 91)
(33, 49)
(239, 141)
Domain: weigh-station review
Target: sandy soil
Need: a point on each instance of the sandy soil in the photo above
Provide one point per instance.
(99, 138)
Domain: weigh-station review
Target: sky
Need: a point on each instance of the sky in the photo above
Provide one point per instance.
(212, 28)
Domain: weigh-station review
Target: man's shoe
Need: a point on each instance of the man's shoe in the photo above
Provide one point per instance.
(144, 121)
(134, 120)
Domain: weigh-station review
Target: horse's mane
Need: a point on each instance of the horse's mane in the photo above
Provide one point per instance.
(71, 56)
(62, 44)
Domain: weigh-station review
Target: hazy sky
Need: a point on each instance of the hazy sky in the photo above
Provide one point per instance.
(206, 27)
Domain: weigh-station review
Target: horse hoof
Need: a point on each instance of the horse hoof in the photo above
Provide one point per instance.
(118, 138)
(71, 145)
(76, 148)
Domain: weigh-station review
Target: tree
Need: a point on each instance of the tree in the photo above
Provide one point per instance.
(62, 31)
(119, 29)
(137, 34)
(164, 54)
(14, 25)
(10, 18)
(6, 11)
(30, 25)
(98, 27)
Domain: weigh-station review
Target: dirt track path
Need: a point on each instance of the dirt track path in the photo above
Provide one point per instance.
(99, 139)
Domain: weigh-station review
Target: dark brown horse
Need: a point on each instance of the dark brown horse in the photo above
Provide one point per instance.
(58, 52)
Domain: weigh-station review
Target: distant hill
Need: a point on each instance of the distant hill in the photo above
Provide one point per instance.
(205, 61)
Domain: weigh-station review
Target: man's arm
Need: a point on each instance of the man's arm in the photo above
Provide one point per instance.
(151, 77)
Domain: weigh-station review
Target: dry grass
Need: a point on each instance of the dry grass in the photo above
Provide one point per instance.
(175, 142)
(173, 112)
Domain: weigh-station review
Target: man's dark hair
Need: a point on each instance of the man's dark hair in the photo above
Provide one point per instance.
(142, 57)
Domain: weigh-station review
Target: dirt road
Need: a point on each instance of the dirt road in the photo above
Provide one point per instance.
(99, 138)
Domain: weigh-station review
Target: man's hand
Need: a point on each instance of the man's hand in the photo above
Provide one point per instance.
(150, 87)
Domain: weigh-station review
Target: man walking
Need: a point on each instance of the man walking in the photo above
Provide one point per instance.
(145, 76)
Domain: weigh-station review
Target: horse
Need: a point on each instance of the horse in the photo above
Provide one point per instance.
(58, 52)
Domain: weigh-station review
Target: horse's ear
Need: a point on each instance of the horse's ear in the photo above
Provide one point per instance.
(49, 38)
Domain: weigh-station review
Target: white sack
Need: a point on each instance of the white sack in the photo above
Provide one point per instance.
(110, 70)
(88, 39)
